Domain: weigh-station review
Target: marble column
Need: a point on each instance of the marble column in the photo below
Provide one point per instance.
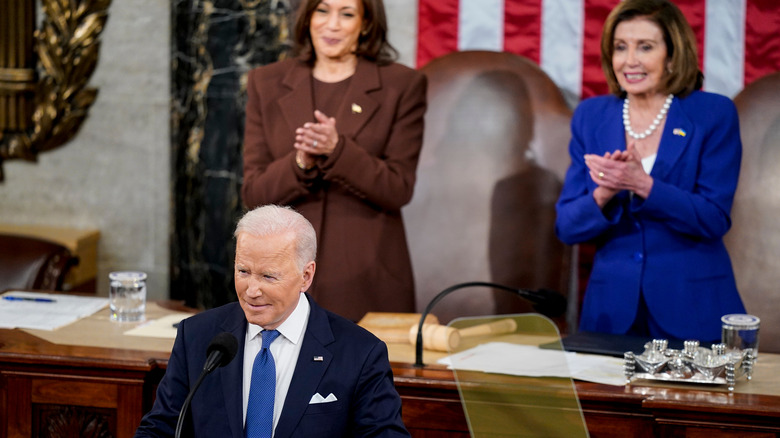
(215, 44)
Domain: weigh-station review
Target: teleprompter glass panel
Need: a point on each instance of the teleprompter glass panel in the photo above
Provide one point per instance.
(511, 388)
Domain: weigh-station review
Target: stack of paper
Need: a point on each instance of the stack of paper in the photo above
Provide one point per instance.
(43, 311)
(527, 360)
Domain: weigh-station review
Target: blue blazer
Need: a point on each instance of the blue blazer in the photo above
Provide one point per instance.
(354, 368)
(668, 247)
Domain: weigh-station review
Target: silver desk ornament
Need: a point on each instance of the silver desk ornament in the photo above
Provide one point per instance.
(693, 364)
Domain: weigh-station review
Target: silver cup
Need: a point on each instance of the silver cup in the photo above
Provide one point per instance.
(740, 332)
(127, 296)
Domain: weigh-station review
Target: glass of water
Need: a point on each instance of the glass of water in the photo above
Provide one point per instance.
(740, 332)
(127, 296)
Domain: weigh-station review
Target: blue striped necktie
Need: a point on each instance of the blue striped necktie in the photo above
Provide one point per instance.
(260, 410)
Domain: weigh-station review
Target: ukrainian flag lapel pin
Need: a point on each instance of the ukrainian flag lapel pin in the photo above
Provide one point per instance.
(356, 109)
(679, 131)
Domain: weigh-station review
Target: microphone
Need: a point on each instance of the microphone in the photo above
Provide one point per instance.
(545, 301)
(222, 349)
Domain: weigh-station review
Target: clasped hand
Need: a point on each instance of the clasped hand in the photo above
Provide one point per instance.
(616, 171)
(318, 139)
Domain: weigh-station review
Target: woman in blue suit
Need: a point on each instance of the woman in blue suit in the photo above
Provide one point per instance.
(654, 167)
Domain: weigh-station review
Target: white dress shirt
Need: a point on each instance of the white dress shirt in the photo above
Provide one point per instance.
(285, 350)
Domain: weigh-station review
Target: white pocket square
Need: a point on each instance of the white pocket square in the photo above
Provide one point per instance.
(317, 398)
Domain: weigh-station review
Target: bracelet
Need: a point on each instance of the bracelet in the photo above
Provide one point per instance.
(301, 164)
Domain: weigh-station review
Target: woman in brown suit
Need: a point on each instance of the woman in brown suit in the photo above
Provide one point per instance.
(336, 133)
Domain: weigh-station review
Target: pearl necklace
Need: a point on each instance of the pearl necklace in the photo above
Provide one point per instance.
(653, 126)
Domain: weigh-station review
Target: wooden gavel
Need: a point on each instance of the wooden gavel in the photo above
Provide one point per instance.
(443, 338)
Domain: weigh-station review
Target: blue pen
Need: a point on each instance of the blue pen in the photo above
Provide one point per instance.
(37, 300)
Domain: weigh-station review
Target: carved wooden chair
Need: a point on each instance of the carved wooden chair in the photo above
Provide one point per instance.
(28, 263)
(754, 239)
(491, 168)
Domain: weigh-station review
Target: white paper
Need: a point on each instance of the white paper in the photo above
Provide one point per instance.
(527, 360)
(160, 327)
(64, 310)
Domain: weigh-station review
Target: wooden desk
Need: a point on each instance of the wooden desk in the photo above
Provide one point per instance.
(432, 407)
(55, 390)
(75, 384)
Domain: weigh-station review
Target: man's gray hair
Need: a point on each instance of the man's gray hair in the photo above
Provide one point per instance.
(270, 220)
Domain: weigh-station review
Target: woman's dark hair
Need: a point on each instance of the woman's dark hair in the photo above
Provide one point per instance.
(681, 53)
(372, 42)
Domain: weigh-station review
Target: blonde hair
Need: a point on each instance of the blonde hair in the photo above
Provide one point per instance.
(685, 76)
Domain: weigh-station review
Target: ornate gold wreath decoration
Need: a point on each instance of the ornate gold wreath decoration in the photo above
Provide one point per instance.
(66, 45)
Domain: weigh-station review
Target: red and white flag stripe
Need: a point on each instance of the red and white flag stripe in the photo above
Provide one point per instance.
(738, 40)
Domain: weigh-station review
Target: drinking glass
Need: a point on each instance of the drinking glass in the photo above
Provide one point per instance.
(127, 296)
(740, 332)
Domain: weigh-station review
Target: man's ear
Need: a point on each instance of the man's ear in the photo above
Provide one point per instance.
(308, 276)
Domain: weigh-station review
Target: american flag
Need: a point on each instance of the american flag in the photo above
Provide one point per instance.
(738, 40)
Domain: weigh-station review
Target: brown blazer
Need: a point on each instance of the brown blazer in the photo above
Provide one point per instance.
(353, 198)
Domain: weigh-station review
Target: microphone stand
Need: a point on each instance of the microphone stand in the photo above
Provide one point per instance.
(186, 404)
(534, 297)
(221, 351)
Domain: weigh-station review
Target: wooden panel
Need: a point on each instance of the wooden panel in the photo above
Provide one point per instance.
(614, 414)
(3, 405)
(57, 421)
(131, 402)
(619, 425)
(679, 431)
(431, 433)
(710, 421)
(68, 406)
(19, 406)
(74, 393)
(434, 414)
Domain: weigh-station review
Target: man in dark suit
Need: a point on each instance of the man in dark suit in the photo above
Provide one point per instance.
(333, 378)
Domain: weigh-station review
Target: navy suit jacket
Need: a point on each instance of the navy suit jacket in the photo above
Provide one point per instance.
(354, 367)
(668, 247)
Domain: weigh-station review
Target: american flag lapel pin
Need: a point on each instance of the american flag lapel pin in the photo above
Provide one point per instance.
(679, 131)
(318, 358)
